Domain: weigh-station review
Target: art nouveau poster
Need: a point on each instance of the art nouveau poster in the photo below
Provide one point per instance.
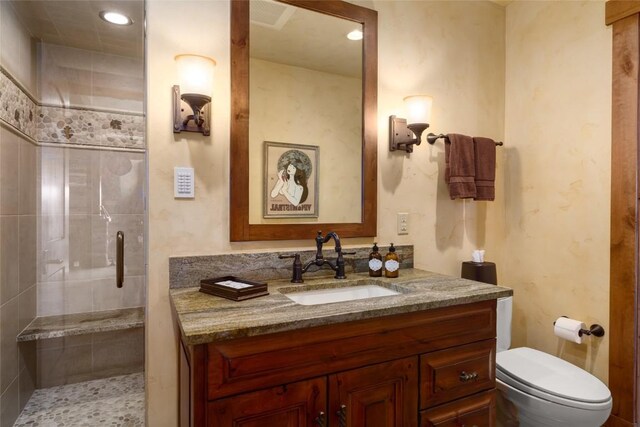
(291, 180)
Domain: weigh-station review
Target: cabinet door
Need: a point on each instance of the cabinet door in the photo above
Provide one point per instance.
(382, 395)
(301, 404)
(475, 411)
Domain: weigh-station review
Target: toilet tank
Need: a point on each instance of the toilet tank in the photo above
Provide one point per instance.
(503, 323)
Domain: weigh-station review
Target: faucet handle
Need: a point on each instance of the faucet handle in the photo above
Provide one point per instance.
(297, 267)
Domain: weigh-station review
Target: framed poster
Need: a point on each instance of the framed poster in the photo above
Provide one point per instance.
(290, 180)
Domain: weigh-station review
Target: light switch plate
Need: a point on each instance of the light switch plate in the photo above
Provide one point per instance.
(403, 223)
(183, 185)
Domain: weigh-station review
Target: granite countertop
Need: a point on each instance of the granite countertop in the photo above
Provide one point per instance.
(205, 318)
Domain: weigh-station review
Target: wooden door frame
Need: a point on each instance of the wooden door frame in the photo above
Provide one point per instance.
(623, 285)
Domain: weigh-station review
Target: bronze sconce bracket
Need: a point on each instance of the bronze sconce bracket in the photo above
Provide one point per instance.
(200, 106)
(403, 136)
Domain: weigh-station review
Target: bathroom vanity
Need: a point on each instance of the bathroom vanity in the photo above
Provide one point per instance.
(422, 357)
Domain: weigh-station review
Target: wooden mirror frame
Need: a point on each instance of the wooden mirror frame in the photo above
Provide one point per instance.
(240, 228)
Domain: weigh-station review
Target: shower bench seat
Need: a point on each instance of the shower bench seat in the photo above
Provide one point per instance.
(82, 323)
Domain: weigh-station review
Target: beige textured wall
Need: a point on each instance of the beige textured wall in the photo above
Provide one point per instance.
(463, 70)
(283, 97)
(458, 58)
(552, 236)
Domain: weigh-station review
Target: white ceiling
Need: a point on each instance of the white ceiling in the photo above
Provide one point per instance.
(76, 23)
(307, 39)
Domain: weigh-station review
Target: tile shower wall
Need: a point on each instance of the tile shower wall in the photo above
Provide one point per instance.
(18, 216)
(88, 357)
(18, 195)
(84, 78)
(89, 98)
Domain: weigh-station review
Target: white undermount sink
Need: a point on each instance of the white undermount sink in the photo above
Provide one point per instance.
(350, 293)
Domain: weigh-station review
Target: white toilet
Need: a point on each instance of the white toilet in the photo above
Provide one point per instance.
(546, 390)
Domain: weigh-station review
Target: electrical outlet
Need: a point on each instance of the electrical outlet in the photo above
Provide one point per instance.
(403, 223)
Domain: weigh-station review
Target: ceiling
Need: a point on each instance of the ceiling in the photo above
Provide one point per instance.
(306, 39)
(299, 37)
(76, 23)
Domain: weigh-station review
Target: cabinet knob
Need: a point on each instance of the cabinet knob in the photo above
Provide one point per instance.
(321, 419)
(342, 416)
(465, 377)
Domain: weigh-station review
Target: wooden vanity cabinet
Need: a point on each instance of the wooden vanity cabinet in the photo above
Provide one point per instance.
(428, 368)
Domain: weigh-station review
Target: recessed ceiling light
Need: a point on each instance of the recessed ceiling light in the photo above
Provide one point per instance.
(355, 35)
(115, 18)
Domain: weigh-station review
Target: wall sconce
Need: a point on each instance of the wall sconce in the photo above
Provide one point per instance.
(196, 83)
(405, 133)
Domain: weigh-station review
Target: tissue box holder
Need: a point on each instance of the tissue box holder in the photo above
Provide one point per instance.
(480, 272)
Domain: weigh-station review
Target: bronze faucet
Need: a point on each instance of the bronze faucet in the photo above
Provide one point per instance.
(338, 267)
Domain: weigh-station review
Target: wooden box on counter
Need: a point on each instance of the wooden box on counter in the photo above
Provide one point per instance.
(233, 288)
(428, 368)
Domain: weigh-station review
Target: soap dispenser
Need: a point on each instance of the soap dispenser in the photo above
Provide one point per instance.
(391, 264)
(375, 262)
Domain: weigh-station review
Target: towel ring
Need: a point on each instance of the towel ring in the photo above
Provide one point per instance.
(432, 138)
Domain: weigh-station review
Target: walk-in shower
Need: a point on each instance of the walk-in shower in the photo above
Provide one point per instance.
(72, 213)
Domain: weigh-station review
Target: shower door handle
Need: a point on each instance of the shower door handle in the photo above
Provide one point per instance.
(119, 259)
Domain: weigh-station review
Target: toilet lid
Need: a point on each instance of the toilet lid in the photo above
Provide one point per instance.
(547, 376)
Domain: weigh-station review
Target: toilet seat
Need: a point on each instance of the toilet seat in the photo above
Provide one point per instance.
(552, 379)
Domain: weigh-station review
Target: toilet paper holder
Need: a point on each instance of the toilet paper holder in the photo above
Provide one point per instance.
(595, 330)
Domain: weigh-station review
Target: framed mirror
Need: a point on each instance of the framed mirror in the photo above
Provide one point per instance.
(303, 120)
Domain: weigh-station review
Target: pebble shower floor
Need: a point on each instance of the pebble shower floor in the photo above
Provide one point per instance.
(114, 402)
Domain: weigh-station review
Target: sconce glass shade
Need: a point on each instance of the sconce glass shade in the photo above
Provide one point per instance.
(195, 73)
(418, 108)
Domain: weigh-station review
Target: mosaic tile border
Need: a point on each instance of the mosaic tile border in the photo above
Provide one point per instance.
(16, 106)
(67, 125)
(89, 127)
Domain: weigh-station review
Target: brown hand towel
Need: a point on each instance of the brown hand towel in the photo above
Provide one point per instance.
(460, 166)
(485, 158)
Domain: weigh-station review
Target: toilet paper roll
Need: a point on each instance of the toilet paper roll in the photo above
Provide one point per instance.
(568, 329)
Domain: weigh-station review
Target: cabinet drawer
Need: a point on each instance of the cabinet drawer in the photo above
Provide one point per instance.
(474, 411)
(456, 372)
